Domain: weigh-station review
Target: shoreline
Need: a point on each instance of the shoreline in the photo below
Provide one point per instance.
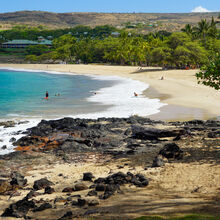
(106, 99)
(185, 98)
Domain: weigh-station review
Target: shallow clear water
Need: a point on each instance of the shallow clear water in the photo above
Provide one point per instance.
(22, 94)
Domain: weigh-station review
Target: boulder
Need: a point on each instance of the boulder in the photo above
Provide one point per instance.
(88, 176)
(42, 184)
(4, 147)
(81, 202)
(149, 133)
(68, 189)
(19, 209)
(100, 187)
(171, 151)
(18, 179)
(49, 190)
(80, 187)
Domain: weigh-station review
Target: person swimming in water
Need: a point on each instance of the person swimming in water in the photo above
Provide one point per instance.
(47, 95)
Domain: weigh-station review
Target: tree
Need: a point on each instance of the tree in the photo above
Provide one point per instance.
(36, 49)
(178, 39)
(203, 30)
(64, 48)
(213, 29)
(188, 29)
(160, 56)
(210, 74)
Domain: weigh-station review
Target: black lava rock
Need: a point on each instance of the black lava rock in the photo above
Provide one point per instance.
(171, 150)
(42, 184)
(88, 176)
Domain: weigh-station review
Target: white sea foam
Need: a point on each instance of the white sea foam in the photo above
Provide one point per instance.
(7, 133)
(119, 97)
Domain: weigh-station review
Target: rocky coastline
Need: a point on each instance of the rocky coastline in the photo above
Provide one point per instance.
(114, 158)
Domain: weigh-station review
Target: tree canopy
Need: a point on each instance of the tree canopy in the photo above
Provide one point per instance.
(210, 74)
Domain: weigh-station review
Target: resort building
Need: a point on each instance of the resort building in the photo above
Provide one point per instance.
(25, 43)
(18, 44)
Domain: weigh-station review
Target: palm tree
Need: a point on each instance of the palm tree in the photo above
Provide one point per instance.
(188, 29)
(203, 29)
(213, 29)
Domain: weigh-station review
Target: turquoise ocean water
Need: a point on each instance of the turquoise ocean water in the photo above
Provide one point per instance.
(22, 94)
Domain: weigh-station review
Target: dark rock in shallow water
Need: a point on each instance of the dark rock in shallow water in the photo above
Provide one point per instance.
(12, 139)
(4, 147)
(42, 184)
(171, 150)
(19, 209)
(8, 124)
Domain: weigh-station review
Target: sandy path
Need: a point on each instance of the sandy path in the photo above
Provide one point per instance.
(179, 87)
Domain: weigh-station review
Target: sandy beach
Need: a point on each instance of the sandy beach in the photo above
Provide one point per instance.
(179, 89)
(189, 185)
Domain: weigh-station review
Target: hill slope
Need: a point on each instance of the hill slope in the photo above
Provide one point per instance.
(172, 21)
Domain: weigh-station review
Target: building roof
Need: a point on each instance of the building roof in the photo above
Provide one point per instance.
(46, 42)
(28, 42)
(21, 42)
(115, 33)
